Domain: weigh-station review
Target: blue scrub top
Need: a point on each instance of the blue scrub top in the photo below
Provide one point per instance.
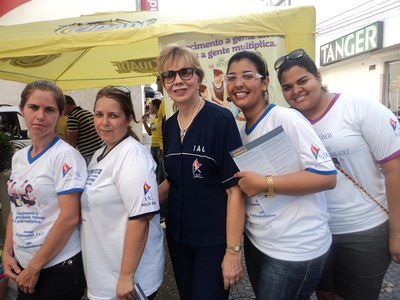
(200, 170)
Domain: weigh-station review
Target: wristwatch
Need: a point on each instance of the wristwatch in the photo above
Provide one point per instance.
(235, 248)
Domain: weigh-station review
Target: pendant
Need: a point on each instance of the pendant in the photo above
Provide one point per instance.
(182, 132)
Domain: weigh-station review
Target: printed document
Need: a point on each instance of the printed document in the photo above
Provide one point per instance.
(271, 154)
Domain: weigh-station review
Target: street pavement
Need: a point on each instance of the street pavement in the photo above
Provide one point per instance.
(243, 290)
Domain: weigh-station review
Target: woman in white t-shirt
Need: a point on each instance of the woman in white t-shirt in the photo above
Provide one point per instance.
(363, 138)
(42, 251)
(287, 238)
(122, 240)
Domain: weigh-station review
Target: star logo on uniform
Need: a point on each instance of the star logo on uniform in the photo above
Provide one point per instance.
(146, 188)
(314, 151)
(65, 169)
(393, 123)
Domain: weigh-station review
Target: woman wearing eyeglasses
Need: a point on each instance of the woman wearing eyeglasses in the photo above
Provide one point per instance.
(122, 241)
(287, 238)
(205, 206)
(364, 138)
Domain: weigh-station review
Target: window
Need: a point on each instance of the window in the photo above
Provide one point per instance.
(393, 87)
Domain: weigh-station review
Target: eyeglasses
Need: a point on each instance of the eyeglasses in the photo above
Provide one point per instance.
(246, 76)
(295, 54)
(185, 74)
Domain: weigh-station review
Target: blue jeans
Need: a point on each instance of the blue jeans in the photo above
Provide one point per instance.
(357, 263)
(274, 279)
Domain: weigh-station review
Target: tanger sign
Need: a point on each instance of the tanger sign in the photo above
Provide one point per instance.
(361, 41)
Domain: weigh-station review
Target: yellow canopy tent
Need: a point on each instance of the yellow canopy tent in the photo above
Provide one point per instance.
(121, 47)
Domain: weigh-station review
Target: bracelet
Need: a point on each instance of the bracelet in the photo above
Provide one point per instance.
(235, 248)
(270, 187)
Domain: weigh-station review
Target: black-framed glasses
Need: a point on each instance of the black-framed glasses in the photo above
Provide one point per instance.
(295, 54)
(245, 76)
(122, 89)
(185, 74)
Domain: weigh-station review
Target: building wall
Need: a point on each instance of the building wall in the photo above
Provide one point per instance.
(355, 77)
(366, 74)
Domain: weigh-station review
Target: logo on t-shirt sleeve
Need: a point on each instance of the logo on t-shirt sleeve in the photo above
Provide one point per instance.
(146, 188)
(393, 123)
(65, 169)
(148, 197)
(315, 151)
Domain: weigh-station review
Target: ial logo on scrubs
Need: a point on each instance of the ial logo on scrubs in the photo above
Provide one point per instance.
(196, 169)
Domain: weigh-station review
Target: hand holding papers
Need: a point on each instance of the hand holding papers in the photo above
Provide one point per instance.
(138, 293)
(270, 154)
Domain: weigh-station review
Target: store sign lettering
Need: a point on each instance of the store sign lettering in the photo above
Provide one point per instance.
(361, 41)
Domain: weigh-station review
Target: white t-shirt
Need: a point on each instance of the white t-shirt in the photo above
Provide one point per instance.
(33, 188)
(299, 230)
(360, 134)
(120, 187)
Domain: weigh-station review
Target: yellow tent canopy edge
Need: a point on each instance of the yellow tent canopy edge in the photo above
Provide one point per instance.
(123, 45)
(57, 36)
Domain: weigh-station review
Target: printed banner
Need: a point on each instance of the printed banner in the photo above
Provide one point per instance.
(214, 54)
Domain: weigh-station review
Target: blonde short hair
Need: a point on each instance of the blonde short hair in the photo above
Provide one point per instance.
(173, 53)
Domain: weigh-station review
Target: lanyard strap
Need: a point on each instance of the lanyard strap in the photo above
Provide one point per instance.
(360, 187)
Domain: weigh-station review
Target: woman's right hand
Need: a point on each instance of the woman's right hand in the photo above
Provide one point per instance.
(125, 287)
(251, 183)
(11, 268)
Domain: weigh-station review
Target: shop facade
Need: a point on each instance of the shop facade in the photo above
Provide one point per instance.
(365, 60)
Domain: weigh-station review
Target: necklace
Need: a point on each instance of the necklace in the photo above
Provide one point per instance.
(182, 131)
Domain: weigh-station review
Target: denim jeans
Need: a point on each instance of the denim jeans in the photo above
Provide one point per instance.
(274, 279)
(64, 281)
(357, 263)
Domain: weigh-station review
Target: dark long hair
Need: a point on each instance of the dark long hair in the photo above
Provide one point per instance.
(257, 60)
